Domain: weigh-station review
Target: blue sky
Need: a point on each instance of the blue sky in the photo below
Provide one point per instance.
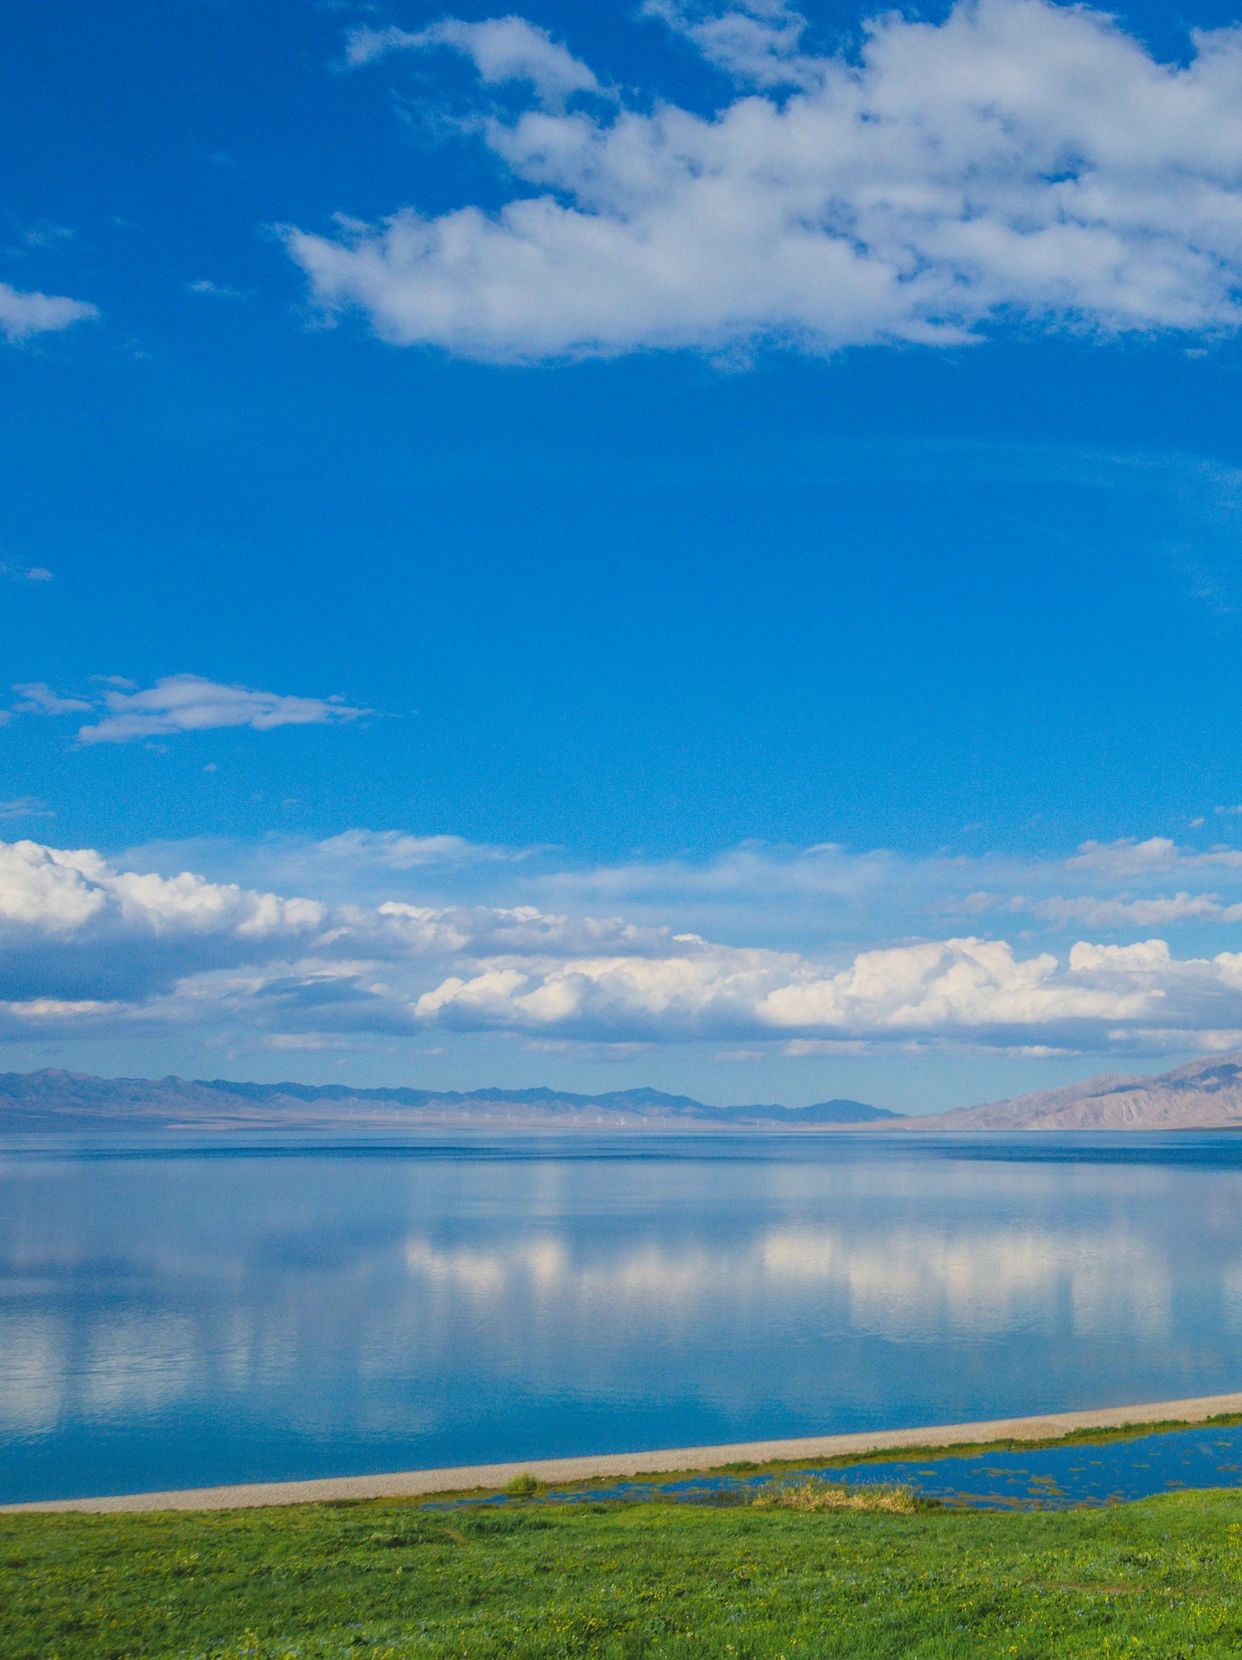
(705, 471)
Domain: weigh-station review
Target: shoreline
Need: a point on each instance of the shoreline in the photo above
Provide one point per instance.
(468, 1478)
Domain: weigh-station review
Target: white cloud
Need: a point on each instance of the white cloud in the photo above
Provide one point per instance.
(1129, 858)
(77, 928)
(964, 983)
(500, 932)
(72, 921)
(396, 850)
(688, 989)
(19, 1017)
(188, 703)
(38, 698)
(959, 987)
(26, 314)
(1019, 159)
(755, 41)
(58, 892)
(1159, 912)
(501, 49)
(178, 703)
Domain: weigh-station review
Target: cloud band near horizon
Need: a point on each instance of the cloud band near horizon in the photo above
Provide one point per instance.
(87, 946)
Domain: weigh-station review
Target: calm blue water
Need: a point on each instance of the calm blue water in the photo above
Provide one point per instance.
(174, 1317)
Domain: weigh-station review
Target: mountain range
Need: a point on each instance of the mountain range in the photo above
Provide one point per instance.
(53, 1100)
(1202, 1095)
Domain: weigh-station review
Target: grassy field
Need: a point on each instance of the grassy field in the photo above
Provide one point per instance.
(1156, 1579)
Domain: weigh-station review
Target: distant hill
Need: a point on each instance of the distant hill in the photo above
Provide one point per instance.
(52, 1100)
(1203, 1095)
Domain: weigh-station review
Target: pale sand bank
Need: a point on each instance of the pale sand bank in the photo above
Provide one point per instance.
(468, 1477)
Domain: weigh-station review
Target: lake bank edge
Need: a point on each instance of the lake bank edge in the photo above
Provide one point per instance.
(489, 1478)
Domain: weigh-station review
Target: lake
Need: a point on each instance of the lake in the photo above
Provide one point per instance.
(187, 1313)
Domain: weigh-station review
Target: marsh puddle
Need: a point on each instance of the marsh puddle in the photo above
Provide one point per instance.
(1031, 1478)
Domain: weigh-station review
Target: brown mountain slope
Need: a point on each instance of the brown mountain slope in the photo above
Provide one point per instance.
(1203, 1095)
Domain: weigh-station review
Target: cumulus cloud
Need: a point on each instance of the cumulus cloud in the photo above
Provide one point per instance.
(117, 942)
(24, 314)
(688, 990)
(964, 987)
(957, 992)
(1019, 159)
(57, 891)
(72, 924)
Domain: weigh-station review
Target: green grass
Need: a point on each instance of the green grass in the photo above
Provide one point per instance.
(389, 1579)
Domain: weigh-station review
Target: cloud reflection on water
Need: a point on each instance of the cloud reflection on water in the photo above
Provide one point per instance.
(352, 1313)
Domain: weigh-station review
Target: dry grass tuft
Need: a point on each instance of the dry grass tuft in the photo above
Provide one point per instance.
(522, 1486)
(814, 1494)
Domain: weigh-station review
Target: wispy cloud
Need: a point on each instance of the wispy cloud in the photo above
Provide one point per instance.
(1157, 912)
(189, 703)
(25, 806)
(38, 698)
(180, 703)
(397, 850)
(24, 573)
(215, 290)
(46, 233)
(807, 899)
(501, 49)
(1017, 160)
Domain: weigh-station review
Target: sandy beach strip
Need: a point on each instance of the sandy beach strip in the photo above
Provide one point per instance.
(467, 1478)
